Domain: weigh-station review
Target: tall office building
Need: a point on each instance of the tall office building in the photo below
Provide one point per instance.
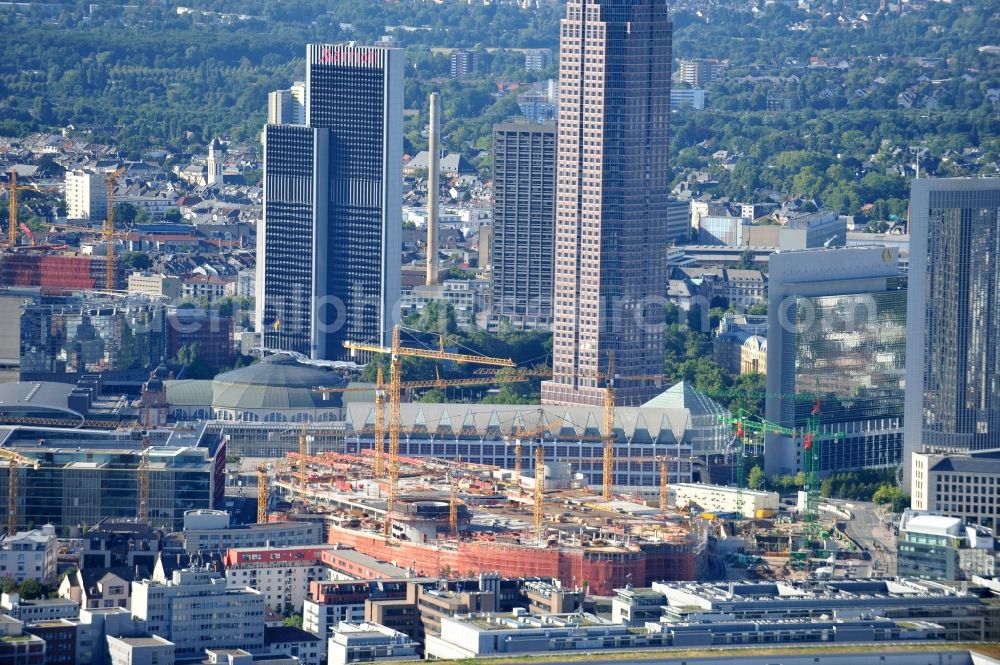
(612, 181)
(953, 331)
(329, 254)
(287, 107)
(836, 333)
(86, 195)
(524, 175)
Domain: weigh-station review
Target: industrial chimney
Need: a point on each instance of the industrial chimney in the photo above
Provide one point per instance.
(433, 188)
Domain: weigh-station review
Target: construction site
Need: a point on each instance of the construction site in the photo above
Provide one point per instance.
(47, 262)
(541, 517)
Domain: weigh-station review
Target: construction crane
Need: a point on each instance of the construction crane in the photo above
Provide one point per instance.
(453, 498)
(143, 472)
(109, 229)
(109, 235)
(262, 494)
(812, 443)
(662, 459)
(13, 224)
(518, 445)
(14, 462)
(438, 382)
(379, 443)
(396, 352)
(303, 453)
(741, 424)
(539, 487)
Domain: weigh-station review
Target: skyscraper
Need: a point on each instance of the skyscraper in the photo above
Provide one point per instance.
(612, 182)
(328, 255)
(524, 175)
(836, 334)
(953, 330)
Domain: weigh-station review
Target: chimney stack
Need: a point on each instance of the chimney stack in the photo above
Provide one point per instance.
(433, 188)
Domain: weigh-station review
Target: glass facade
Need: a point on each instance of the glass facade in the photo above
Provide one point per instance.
(962, 326)
(80, 487)
(82, 337)
(849, 354)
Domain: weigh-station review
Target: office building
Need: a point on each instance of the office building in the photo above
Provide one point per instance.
(524, 174)
(282, 574)
(86, 195)
(960, 484)
(687, 98)
(18, 647)
(42, 609)
(196, 611)
(696, 72)
(369, 643)
(678, 221)
(140, 650)
(287, 107)
(30, 555)
(836, 333)
(613, 185)
(536, 59)
(328, 255)
(953, 328)
(208, 531)
(723, 230)
(90, 334)
(60, 637)
(464, 63)
(937, 547)
(84, 476)
(961, 613)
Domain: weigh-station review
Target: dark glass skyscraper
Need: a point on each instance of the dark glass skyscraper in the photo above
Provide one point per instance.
(524, 175)
(329, 254)
(953, 332)
(613, 184)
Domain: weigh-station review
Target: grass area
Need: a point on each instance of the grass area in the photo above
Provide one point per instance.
(991, 649)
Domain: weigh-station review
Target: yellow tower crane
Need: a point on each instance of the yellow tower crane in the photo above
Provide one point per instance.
(662, 459)
(262, 494)
(109, 230)
(539, 488)
(397, 351)
(12, 204)
(143, 470)
(303, 453)
(379, 443)
(14, 462)
(453, 498)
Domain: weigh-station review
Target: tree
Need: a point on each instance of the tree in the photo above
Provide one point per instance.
(756, 478)
(434, 396)
(293, 621)
(195, 366)
(137, 260)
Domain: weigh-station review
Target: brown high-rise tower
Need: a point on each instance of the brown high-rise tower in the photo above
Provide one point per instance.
(612, 182)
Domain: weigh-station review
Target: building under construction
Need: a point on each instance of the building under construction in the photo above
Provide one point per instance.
(453, 518)
(56, 270)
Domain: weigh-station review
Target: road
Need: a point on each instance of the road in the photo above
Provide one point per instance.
(868, 527)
